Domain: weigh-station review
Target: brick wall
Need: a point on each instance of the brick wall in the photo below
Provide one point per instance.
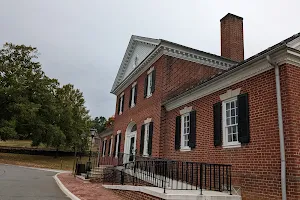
(133, 195)
(172, 77)
(290, 89)
(256, 166)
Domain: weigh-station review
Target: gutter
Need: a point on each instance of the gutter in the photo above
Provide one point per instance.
(280, 126)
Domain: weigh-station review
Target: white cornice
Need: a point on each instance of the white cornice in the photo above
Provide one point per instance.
(291, 56)
(183, 53)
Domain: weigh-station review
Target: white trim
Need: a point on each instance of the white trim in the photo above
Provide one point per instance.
(117, 145)
(122, 94)
(227, 144)
(230, 94)
(64, 189)
(119, 131)
(150, 70)
(111, 145)
(231, 146)
(148, 120)
(104, 147)
(149, 84)
(146, 140)
(182, 146)
(249, 70)
(174, 50)
(186, 110)
(132, 91)
(185, 149)
(134, 84)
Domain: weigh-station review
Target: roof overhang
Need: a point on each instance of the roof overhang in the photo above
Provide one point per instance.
(174, 50)
(281, 55)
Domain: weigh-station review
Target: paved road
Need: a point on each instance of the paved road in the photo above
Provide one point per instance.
(19, 183)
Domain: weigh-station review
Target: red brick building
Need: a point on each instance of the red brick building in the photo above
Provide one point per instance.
(180, 103)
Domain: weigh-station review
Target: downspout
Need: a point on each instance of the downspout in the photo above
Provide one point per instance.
(280, 126)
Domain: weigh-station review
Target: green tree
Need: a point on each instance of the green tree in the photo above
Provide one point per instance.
(34, 106)
(99, 123)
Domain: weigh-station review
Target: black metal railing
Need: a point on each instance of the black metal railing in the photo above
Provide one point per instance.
(170, 174)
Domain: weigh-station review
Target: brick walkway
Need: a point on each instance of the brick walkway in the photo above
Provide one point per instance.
(86, 190)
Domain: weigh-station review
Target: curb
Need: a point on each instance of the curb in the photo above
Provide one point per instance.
(64, 189)
(37, 168)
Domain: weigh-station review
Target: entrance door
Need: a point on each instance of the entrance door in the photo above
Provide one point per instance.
(130, 145)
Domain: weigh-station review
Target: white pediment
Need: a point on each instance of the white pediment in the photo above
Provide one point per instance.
(140, 52)
(137, 50)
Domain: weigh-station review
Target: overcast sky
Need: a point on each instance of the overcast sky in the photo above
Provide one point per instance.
(83, 42)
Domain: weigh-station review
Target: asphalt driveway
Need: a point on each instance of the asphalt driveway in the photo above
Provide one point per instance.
(19, 183)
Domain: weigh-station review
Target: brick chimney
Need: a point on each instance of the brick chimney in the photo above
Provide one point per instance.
(232, 39)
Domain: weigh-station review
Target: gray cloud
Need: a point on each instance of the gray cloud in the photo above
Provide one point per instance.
(83, 42)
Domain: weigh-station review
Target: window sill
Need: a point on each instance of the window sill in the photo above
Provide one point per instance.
(145, 155)
(132, 106)
(120, 113)
(228, 146)
(148, 96)
(186, 149)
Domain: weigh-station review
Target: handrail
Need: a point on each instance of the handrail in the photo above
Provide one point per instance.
(170, 174)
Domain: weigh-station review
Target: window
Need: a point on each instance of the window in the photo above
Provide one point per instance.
(149, 86)
(146, 140)
(132, 97)
(110, 145)
(185, 131)
(230, 122)
(103, 147)
(117, 145)
(121, 104)
(149, 92)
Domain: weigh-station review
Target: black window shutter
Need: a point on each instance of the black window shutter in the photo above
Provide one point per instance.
(115, 145)
(243, 118)
(192, 135)
(178, 132)
(145, 86)
(142, 140)
(150, 138)
(119, 147)
(130, 97)
(218, 124)
(153, 81)
(123, 103)
(135, 94)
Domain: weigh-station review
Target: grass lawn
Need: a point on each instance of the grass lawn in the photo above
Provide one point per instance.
(16, 143)
(61, 163)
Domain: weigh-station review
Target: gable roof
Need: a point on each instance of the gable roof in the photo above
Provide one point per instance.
(281, 45)
(172, 49)
(128, 53)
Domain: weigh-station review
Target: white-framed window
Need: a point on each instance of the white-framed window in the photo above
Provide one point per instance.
(132, 96)
(230, 122)
(149, 85)
(117, 144)
(103, 147)
(111, 145)
(185, 131)
(121, 103)
(146, 140)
